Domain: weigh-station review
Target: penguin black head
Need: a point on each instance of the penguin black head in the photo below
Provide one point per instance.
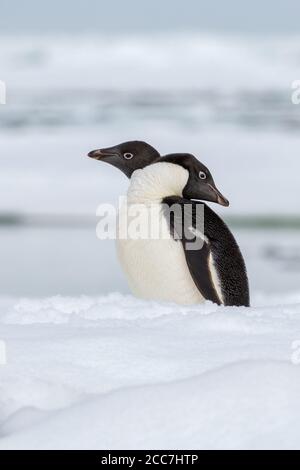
(200, 184)
(128, 156)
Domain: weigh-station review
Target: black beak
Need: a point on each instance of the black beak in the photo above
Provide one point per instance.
(217, 196)
(103, 154)
(207, 192)
(96, 154)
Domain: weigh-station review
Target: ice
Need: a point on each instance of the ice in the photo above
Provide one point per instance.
(118, 372)
(221, 62)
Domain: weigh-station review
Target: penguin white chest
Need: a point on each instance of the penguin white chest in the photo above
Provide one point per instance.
(155, 266)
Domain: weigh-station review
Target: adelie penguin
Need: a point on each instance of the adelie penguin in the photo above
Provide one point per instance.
(166, 269)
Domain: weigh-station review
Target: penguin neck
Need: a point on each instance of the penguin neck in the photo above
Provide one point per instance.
(155, 182)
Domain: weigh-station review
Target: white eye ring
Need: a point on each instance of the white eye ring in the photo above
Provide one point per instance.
(128, 155)
(202, 175)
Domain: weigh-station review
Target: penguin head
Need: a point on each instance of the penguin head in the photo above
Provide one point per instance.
(128, 156)
(200, 184)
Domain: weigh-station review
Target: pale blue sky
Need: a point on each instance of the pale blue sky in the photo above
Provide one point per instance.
(143, 15)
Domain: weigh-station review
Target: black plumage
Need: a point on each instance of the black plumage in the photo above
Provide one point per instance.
(219, 241)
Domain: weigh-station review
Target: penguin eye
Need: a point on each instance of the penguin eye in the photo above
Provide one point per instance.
(202, 175)
(128, 155)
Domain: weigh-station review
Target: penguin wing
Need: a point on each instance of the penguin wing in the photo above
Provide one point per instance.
(218, 244)
(186, 221)
(228, 260)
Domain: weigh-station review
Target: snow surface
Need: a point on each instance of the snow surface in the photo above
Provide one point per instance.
(117, 372)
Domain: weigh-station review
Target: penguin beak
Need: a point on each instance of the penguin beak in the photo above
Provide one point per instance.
(217, 196)
(112, 156)
(207, 192)
(104, 154)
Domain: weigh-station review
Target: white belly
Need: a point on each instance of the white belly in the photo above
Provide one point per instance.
(156, 268)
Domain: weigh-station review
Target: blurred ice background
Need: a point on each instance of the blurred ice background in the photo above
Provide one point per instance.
(214, 80)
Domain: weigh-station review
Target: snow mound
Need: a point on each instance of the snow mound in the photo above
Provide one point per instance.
(111, 307)
(117, 372)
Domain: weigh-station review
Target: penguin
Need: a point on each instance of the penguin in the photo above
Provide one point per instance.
(166, 268)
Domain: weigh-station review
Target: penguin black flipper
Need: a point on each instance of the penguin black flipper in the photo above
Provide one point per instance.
(219, 242)
(198, 264)
(228, 260)
(197, 259)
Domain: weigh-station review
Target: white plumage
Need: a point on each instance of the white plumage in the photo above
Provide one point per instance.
(156, 268)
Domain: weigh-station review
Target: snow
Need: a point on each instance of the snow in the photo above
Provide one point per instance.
(115, 372)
